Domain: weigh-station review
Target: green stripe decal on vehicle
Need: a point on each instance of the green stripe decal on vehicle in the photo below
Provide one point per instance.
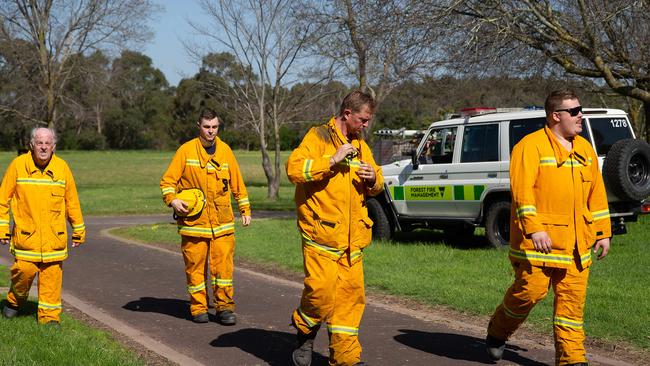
(397, 193)
(441, 193)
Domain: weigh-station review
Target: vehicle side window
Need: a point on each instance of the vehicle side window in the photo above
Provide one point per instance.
(439, 147)
(608, 131)
(480, 143)
(522, 127)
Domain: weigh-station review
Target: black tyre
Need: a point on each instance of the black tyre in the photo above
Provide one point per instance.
(381, 229)
(497, 224)
(626, 170)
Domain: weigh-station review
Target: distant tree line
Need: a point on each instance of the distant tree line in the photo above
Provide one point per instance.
(126, 103)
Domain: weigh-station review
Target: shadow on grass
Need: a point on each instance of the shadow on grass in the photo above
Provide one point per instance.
(273, 347)
(459, 347)
(437, 237)
(30, 308)
(172, 307)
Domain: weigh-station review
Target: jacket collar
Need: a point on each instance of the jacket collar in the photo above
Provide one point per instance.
(338, 135)
(48, 170)
(203, 155)
(561, 154)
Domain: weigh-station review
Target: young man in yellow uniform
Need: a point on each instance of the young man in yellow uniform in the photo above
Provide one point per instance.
(334, 171)
(559, 211)
(40, 189)
(206, 163)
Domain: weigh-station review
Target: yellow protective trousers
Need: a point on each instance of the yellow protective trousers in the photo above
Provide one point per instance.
(50, 276)
(530, 286)
(195, 254)
(333, 292)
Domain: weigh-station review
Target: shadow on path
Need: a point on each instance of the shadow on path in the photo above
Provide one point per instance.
(172, 307)
(271, 346)
(459, 347)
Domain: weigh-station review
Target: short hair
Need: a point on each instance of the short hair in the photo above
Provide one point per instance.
(32, 135)
(207, 114)
(356, 100)
(555, 99)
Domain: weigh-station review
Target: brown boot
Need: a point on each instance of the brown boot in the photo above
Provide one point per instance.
(301, 356)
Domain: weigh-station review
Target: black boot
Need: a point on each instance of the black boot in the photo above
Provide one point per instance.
(495, 347)
(301, 356)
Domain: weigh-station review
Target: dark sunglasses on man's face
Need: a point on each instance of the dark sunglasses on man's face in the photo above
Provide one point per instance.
(572, 111)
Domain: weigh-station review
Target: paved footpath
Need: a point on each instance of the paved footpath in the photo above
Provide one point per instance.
(140, 291)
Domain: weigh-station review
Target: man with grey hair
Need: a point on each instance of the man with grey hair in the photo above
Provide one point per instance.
(40, 191)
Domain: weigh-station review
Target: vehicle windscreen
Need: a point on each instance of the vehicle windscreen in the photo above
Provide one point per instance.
(522, 127)
(609, 130)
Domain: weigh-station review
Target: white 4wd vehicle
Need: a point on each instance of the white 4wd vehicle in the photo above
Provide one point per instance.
(458, 176)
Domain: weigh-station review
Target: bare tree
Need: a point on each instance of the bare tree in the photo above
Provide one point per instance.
(380, 43)
(269, 47)
(606, 40)
(55, 31)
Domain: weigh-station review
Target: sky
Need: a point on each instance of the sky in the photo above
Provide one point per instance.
(170, 28)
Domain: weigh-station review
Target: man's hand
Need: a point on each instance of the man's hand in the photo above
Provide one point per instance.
(341, 153)
(367, 173)
(76, 241)
(4, 241)
(604, 244)
(245, 220)
(541, 241)
(179, 206)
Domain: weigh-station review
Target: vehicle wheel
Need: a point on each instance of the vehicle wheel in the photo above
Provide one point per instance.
(497, 224)
(459, 234)
(381, 229)
(626, 170)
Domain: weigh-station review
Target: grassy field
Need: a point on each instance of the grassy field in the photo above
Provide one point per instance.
(471, 280)
(127, 182)
(74, 344)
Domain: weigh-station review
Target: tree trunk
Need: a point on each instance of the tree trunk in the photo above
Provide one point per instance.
(646, 121)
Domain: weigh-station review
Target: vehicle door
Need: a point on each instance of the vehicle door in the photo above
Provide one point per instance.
(479, 168)
(427, 191)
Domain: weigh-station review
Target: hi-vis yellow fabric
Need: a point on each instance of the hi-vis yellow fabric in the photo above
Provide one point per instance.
(40, 202)
(331, 202)
(216, 175)
(560, 192)
(335, 227)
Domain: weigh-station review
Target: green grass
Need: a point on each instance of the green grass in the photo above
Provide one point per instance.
(468, 280)
(74, 344)
(127, 182)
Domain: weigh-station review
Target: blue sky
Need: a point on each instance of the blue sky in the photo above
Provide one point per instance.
(170, 28)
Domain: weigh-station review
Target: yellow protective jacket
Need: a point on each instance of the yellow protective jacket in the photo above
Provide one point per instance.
(216, 175)
(331, 203)
(559, 192)
(40, 203)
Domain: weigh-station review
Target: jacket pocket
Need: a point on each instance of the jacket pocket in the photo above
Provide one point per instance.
(587, 181)
(224, 213)
(60, 238)
(589, 230)
(58, 199)
(326, 231)
(23, 236)
(557, 228)
(363, 233)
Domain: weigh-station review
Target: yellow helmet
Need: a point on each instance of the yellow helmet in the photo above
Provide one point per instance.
(195, 200)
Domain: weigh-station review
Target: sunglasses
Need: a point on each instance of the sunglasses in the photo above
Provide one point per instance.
(572, 111)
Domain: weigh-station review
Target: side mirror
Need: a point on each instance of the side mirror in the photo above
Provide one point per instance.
(414, 159)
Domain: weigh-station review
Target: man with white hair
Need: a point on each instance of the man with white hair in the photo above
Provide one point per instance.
(40, 191)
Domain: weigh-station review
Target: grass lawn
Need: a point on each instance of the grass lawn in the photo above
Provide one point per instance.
(127, 182)
(468, 280)
(24, 342)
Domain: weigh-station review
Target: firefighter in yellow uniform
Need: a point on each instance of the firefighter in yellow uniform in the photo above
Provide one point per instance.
(334, 172)
(559, 210)
(208, 164)
(39, 188)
